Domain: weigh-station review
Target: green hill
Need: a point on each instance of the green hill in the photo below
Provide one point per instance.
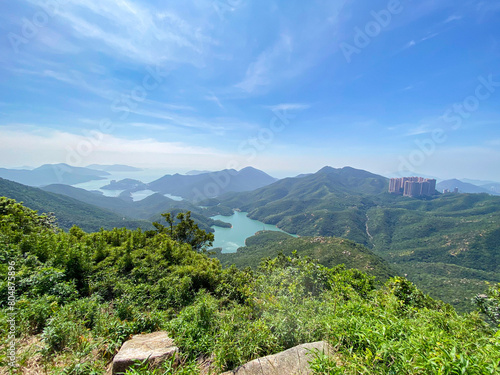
(143, 209)
(414, 235)
(449, 245)
(52, 174)
(211, 184)
(149, 208)
(79, 296)
(328, 251)
(68, 211)
(331, 202)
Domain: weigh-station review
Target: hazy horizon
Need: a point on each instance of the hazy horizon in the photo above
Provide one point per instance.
(287, 87)
(148, 174)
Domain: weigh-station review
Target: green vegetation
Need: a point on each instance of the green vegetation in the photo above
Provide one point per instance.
(91, 211)
(210, 184)
(331, 202)
(69, 211)
(80, 295)
(328, 251)
(449, 245)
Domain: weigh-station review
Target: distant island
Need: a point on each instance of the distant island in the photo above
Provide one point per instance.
(114, 168)
(53, 174)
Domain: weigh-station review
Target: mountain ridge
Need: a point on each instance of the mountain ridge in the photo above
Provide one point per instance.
(463, 187)
(69, 211)
(212, 184)
(51, 174)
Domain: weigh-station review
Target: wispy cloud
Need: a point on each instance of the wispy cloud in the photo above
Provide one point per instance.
(419, 130)
(289, 107)
(453, 17)
(214, 99)
(413, 43)
(266, 68)
(23, 143)
(127, 30)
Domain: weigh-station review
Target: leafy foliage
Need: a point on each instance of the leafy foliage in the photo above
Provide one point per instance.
(69, 211)
(489, 304)
(328, 251)
(420, 237)
(185, 231)
(81, 295)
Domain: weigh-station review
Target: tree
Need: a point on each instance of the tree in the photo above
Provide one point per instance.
(489, 304)
(185, 231)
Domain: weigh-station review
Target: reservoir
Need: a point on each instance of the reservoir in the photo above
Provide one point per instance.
(230, 239)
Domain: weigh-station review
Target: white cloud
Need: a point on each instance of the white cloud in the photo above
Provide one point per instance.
(130, 30)
(419, 130)
(269, 65)
(289, 107)
(452, 18)
(27, 144)
(213, 98)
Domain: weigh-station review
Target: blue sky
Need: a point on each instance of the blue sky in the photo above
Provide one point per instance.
(285, 86)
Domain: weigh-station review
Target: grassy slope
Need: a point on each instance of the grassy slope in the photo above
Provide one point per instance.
(328, 251)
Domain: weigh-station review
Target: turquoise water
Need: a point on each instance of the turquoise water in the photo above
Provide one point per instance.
(230, 239)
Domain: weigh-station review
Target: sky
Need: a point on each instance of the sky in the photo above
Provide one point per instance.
(395, 87)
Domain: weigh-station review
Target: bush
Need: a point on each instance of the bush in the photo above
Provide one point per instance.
(489, 304)
(195, 328)
(61, 333)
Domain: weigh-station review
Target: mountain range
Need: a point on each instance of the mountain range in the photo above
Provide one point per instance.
(68, 211)
(114, 168)
(448, 244)
(52, 174)
(199, 185)
(464, 187)
(309, 205)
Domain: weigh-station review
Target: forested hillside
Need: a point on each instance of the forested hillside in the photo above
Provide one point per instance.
(447, 244)
(328, 251)
(69, 211)
(78, 296)
(148, 209)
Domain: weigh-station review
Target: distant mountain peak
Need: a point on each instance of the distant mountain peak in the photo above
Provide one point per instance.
(326, 169)
(249, 168)
(211, 184)
(196, 172)
(463, 187)
(114, 168)
(48, 174)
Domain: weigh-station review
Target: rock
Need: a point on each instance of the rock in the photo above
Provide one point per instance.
(294, 361)
(155, 347)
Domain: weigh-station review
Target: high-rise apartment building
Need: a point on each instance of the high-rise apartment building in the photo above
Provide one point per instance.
(412, 186)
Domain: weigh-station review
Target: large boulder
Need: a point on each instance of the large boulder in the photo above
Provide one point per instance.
(154, 347)
(294, 361)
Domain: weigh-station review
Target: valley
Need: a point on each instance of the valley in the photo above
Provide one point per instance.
(214, 187)
(448, 244)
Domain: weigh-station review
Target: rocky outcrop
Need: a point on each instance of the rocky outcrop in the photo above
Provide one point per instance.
(294, 361)
(153, 347)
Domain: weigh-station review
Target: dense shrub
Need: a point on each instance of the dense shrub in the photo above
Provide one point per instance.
(84, 294)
